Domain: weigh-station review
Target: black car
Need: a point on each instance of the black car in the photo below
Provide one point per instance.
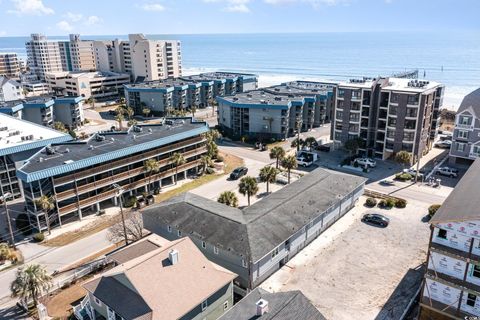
(375, 218)
(238, 173)
(323, 148)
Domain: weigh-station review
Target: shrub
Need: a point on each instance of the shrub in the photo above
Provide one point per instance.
(219, 159)
(130, 202)
(38, 237)
(403, 176)
(390, 203)
(371, 202)
(400, 203)
(382, 203)
(433, 209)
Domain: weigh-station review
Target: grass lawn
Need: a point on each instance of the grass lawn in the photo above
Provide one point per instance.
(60, 305)
(231, 162)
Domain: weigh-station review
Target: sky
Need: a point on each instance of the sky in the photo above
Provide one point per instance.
(119, 17)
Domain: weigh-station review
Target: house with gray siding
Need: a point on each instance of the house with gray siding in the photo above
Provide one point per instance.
(172, 282)
(466, 135)
(256, 241)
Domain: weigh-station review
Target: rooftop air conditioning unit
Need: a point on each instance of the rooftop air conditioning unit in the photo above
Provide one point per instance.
(262, 307)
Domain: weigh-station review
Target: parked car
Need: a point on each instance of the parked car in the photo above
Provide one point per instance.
(387, 182)
(238, 173)
(413, 172)
(323, 148)
(376, 219)
(445, 171)
(443, 144)
(449, 168)
(366, 162)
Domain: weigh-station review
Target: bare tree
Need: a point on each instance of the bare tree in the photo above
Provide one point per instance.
(133, 227)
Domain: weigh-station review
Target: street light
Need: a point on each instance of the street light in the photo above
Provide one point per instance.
(120, 191)
(4, 197)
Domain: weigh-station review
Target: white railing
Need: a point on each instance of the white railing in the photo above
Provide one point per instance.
(84, 305)
(464, 126)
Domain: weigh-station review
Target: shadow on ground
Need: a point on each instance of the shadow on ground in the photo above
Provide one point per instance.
(13, 313)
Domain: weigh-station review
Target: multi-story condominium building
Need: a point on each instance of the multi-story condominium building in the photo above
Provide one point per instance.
(82, 55)
(451, 289)
(226, 83)
(10, 90)
(96, 84)
(322, 91)
(36, 88)
(9, 65)
(256, 241)
(388, 114)
(262, 305)
(19, 140)
(108, 56)
(466, 135)
(173, 282)
(43, 55)
(80, 176)
(46, 110)
(264, 115)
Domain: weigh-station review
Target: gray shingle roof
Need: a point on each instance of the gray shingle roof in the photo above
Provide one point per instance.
(282, 306)
(471, 100)
(463, 203)
(260, 228)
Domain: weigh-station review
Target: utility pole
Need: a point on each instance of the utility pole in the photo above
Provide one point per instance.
(119, 195)
(9, 221)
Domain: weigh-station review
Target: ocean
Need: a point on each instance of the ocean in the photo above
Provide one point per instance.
(450, 58)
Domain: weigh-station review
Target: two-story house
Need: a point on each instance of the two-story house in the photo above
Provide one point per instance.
(466, 135)
(451, 288)
(174, 282)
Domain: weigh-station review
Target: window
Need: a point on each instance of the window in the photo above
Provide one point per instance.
(476, 271)
(215, 250)
(98, 302)
(412, 99)
(204, 305)
(341, 93)
(204, 245)
(340, 105)
(169, 228)
(471, 299)
(442, 234)
(394, 97)
(274, 252)
(179, 233)
(476, 150)
(225, 305)
(460, 146)
(339, 115)
(465, 120)
(462, 134)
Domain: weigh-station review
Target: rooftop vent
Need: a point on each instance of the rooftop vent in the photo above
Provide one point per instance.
(67, 150)
(150, 130)
(173, 256)
(90, 147)
(278, 98)
(134, 137)
(277, 89)
(50, 150)
(262, 307)
(68, 161)
(40, 159)
(137, 129)
(100, 137)
(112, 139)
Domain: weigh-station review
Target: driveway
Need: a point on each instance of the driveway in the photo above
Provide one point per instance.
(352, 269)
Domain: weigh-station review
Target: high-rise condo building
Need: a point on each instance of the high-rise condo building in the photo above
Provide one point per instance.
(9, 65)
(43, 55)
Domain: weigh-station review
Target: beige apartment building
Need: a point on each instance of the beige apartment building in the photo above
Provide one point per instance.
(96, 84)
(9, 65)
(43, 55)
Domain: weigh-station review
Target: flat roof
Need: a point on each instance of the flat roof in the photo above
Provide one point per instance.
(410, 85)
(226, 74)
(91, 75)
(37, 101)
(263, 98)
(463, 203)
(176, 83)
(18, 135)
(357, 83)
(76, 155)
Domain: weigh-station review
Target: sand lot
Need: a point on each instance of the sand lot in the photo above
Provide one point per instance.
(351, 270)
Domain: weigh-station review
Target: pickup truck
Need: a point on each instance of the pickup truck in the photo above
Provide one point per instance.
(305, 158)
(445, 171)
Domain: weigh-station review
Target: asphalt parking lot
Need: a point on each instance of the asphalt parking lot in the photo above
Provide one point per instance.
(353, 269)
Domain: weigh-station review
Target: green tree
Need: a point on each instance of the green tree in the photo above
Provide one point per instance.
(46, 203)
(30, 282)
(268, 175)
(403, 157)
(289, 163)
(119, 118)
(298, 143)
(310, 142)
(206, 161)
(193, 109)
(177, 159)
(228, 198)
(146, 112)
(277, 153)
(352, 145)
(151, 166)
(129, 112)
(57, 125)
(248, 187)
(91, 101)
(6, 253)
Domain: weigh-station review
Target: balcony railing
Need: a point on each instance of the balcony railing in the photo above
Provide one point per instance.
(119, 163)
(111, 193)
(464, 126)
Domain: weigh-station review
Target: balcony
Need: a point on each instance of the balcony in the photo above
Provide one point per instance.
(464, 126)
(119, 163)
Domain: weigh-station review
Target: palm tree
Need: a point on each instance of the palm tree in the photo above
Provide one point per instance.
(228, 198)
(59, 126)
(248, 186)
(6, 253)
(129, 112)
(146, 112)
(206, 161)
(268, 174)
(30, 282)
(193, 109)
(119, 118)
(298, 143)
(150, 166)
(310, 142)
(46, 203)
(277, 153)
(177, 159)
(91, 101)
(289, 163)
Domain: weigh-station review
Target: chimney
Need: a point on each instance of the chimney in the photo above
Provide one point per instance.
(262, 307)
(173, 256)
